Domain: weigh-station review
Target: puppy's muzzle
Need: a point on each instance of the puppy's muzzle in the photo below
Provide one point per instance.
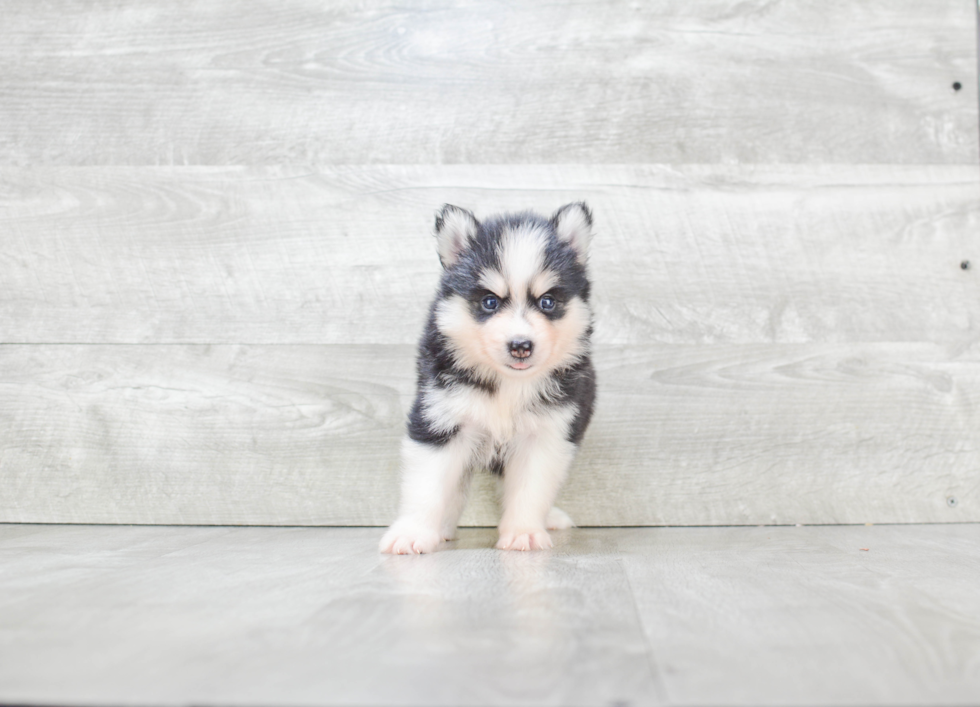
(520, 349)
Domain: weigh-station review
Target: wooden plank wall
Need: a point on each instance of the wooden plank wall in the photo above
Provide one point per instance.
(215, 250)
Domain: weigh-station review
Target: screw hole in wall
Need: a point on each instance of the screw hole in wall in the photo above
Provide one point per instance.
(957, 85)
(965, 265)
(951, 501)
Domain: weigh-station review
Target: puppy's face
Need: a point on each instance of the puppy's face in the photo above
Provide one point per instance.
(514, 298)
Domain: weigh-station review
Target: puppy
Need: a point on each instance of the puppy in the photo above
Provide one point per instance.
(505, 379)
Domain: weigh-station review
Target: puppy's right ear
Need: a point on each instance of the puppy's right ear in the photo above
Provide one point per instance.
(455, 229)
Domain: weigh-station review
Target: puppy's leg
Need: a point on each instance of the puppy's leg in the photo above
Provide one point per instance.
(455, 505)
(433, 488)
(532, 477)
(558, 519)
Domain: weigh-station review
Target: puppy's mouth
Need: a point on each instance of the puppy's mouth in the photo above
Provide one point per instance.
(519, 365)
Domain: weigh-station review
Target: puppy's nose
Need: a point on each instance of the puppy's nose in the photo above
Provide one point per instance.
(520, 349)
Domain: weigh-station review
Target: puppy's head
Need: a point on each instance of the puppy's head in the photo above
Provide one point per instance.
(514, 295)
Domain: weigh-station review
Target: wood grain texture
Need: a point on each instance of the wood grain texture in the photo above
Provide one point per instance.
(684, 254)
(309, 617)
(215, 252)
(173, 616)
(805, 616)
(295, 435)
(226, 434)
(461, 81)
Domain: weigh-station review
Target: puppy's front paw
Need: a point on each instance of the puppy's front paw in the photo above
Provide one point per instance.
(406, 539)
(524, 539)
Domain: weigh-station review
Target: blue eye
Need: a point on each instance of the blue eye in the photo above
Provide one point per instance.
(547, 303)
(490, 303)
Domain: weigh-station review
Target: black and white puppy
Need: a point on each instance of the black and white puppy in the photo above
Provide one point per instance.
(505, 379)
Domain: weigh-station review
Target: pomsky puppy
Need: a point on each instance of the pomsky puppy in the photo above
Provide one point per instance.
(505, 378)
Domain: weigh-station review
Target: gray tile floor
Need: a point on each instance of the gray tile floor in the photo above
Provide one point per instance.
(313, 616)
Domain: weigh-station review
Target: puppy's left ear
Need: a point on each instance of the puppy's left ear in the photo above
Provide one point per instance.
(573, 224)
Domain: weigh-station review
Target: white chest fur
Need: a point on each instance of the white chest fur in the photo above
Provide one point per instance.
(513, 411)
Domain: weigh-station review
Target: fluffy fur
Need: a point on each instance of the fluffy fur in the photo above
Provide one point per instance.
(505, 380)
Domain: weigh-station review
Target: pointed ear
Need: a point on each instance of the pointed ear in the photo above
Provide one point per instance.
(573, 224)
(455, 228)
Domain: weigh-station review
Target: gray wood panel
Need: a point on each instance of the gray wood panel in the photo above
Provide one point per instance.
(173, 616)
(308, 617)
(683, 435)
(214, 249)
(810, 616)
(684, 254)
(461, 81)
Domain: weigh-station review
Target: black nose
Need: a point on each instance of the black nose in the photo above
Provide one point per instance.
(520, 349)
